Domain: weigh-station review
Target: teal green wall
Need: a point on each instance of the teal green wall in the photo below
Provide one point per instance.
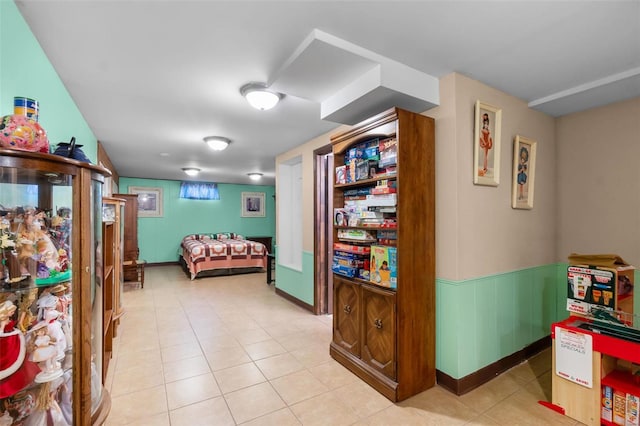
(26, 71)
(299, 284)
(482, 320)
(159, 237)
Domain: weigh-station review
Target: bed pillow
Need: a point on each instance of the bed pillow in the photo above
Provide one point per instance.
(238, 237)
(223, 235)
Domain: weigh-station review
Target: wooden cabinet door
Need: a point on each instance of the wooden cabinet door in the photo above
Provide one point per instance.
(379, 330)
(346, 315)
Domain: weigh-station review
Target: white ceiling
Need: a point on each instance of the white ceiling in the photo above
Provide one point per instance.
(154, 77)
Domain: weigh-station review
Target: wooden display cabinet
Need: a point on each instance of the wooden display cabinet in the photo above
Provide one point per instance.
(386, 335)
(51, 208)
(130, 249)
(112, 274)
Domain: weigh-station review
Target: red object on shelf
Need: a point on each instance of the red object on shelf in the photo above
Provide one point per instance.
(608, 345)
(622, 381)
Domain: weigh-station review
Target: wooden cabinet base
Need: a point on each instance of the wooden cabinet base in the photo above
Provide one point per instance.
(104, 407)
(379, 382)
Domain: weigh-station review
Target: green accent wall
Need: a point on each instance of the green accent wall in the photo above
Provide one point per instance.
(26, 71)
(159, 237)
(299, 284)
(482, 320)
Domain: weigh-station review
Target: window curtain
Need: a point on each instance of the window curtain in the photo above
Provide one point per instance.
(199, 191)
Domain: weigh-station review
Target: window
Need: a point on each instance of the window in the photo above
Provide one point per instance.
(199, 191)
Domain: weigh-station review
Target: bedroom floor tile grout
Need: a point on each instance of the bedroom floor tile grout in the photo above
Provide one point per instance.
(229, 351)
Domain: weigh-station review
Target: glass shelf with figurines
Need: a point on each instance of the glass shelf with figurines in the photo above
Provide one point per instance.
(47, 374)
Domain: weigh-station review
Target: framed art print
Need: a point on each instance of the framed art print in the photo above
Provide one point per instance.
(253, 204)
(486, 145)
(524, 173)
(149, 201)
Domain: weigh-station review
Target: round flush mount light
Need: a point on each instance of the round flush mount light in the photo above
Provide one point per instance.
(217, 143)
(255, 176)
(191, 171)
(259, 96)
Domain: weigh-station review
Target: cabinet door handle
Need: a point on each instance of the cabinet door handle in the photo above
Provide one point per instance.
(378, 323)
(347, 309)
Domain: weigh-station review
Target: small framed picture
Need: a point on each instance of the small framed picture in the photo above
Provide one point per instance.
(486, 145)
(253, 204)
(524, 172)
(149, 201)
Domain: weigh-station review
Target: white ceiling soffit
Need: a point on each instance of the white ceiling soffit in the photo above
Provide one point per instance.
(352, 83)
(625, 85)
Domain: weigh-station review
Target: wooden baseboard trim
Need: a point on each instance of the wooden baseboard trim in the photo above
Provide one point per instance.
(485, 374)
(294, 300)
(161, 264)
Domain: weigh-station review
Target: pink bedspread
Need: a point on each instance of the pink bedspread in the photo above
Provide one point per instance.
(205, 255)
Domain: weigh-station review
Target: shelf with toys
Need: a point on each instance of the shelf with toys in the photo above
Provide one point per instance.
(596, 351)
(383, 257)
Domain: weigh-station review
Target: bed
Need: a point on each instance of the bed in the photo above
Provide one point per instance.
(222, 253)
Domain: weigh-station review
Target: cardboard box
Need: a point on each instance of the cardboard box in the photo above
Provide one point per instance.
(383, 266)
(600, 280)
(619, 407)
(632, 410)
(607, 403)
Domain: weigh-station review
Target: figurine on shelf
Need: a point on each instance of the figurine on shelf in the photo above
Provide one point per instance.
(65, 396)
(45, 353)
(26, 234)
(54, 329)
(62, 306)
(25, 316)
(47, 411)
(45, 302)
(61, 224)
(19, 406)
(16, 372)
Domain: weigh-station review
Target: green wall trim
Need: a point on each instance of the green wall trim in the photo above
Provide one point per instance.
(482, 320)
(298, 284)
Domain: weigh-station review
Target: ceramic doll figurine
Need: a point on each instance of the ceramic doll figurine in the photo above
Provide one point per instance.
(45, 354)
(26, 234)
(47, 411)
(26, 317)
(16, 371)
(63, 306)
(45, 302)
(54, 330)
(65, 396)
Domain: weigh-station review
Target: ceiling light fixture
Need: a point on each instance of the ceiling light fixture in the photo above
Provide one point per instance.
(254, 176)
(259, 96)
(191, 171)
(217, 143)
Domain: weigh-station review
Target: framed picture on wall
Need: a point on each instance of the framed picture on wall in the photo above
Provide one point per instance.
(149, 200)
(253, 204)
(524, 168)
(486, 145)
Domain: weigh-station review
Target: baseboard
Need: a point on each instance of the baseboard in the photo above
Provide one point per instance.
(161, 264)
(294, 300)
(485, 374)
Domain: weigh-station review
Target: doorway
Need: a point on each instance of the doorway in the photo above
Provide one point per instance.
(323, 230)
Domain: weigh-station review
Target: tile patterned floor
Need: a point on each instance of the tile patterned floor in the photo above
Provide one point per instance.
(229, 351)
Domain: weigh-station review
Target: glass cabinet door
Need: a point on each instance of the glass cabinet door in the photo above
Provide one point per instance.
(44, 361)
(36, 314)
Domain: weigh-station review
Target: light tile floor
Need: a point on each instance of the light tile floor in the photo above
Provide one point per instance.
(229, 351)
